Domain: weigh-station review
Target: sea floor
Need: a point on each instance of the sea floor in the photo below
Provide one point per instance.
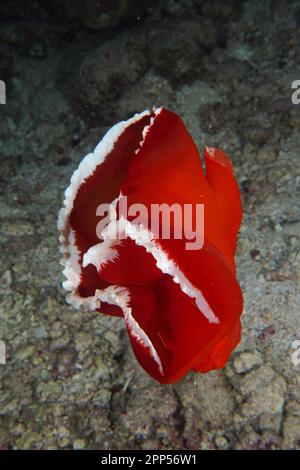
(70, 378)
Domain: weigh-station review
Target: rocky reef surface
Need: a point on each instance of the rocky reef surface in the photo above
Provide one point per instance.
(70, 379)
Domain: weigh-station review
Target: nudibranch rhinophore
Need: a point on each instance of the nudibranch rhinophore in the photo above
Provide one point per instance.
(181, 307)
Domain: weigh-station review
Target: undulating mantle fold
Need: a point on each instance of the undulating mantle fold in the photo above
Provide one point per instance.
(181, 307)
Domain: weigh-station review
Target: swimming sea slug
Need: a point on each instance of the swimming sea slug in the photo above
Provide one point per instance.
(181, 306)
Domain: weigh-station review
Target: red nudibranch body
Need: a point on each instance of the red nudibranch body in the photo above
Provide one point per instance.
(181, 307)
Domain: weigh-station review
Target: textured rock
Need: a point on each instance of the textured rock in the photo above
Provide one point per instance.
(17, 228)
(221, 442)
(227, 9)
(176, 48)
(256, 379)
(266, 155)
(97, 78)
(153, 90)
(79, 444)
(267, 399)
(193, 393)
(291, 432)
(246, 361)
(32, 38)
(104, 14)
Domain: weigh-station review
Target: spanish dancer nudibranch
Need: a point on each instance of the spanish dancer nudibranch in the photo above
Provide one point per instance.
(181, 307)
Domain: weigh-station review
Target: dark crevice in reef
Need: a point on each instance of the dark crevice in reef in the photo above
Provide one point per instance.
(178, 416)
